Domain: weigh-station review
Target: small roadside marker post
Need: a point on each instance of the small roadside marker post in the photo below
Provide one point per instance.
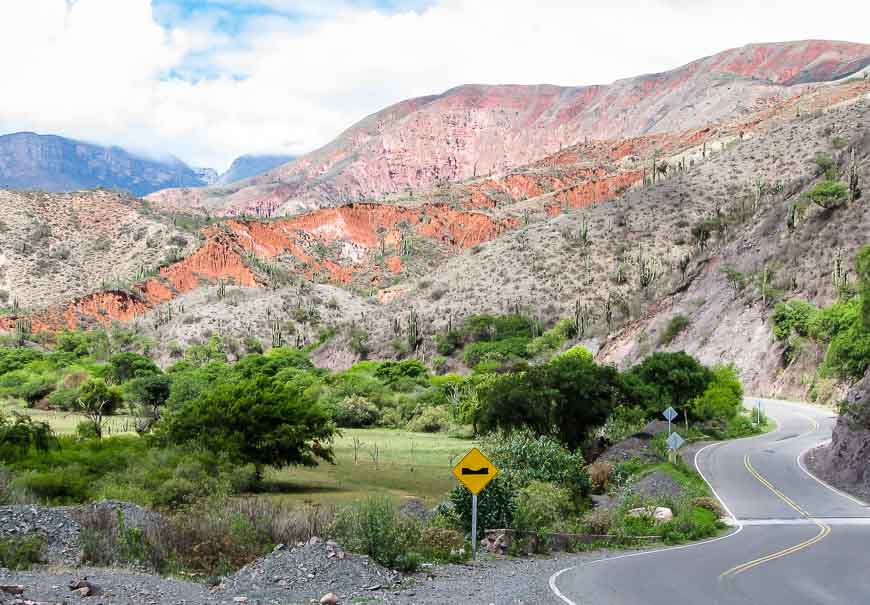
(474, 471)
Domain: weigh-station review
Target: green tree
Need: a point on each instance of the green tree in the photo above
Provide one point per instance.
(722, 398)
(98, 400)
(147, 395)
(255, 422)
(564, 398)
(127, 366)
(675, 378)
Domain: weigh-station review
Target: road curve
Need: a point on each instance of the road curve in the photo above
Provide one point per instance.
(796, 540)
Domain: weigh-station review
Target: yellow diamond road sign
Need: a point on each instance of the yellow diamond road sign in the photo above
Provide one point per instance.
(474, 471)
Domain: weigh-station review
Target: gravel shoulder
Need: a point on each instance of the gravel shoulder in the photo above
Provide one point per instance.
(496, 581)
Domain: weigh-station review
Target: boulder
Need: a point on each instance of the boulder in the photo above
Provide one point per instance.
(659, 514)
(329, 599)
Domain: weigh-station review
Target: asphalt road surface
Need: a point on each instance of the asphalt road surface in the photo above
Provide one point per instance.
(795, 540)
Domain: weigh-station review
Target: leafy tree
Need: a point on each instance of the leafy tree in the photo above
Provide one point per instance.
(254, 421)
(16, 358)
(98, 400)
(722, 398)
(147, 395)
(828, 194)
(564, 398)
(676, 378)
(127, 366)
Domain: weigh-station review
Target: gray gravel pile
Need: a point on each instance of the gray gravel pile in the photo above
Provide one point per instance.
(57, 526)
(309, 571)
(657, 484)
(61, 525)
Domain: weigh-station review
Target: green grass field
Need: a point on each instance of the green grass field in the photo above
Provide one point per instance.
(408, 465)
(64, 423)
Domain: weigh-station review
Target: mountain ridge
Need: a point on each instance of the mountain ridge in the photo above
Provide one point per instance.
(473, 129)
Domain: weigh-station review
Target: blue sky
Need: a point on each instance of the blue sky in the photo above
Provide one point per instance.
(208, 80)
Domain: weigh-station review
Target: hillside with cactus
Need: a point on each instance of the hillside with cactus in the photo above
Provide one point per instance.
(673, 239)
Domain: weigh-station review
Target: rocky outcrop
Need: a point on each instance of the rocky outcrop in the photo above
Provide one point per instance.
(846, 461)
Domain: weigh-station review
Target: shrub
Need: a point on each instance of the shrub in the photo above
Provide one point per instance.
(677, 324)
(22, 552)
(541, 506)
(21, 436)
(432, 420)
(623, 422)
(599, 475)
(64, 399)
(597, 522)
(498, 350)
(828, 194)
(354, 411)
(848, 354)
(373, 527)
(442, 544)
(708, 503)
(722, 398)
(448, 342)
(694, 524)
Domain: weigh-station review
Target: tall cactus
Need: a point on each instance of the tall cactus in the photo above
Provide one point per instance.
(413, 330)
(854, 183)
(23, 329)
(222, 289)
(648, 270)
(277, 334)
(582, 318)
(840, 275)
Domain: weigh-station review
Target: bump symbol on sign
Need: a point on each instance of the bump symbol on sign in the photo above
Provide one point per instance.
(474, 471)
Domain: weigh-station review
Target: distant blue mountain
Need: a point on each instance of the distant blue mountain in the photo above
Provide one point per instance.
(251, 165)
(51, 163)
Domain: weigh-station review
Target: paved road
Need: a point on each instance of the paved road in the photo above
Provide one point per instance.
(796, 541)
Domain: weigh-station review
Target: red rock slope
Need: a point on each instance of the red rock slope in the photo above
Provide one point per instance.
(478, 130)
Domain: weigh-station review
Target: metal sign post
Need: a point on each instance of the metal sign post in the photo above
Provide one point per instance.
(670, 414)
(474, 471)
(474, 526)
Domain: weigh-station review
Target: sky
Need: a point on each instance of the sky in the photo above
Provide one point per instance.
(208, 80)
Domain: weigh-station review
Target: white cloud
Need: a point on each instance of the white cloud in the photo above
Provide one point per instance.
(101, 69)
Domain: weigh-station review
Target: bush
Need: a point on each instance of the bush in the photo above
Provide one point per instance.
(828, 194)
(21, 436)
(541, 506)
(497, 350)
(723, 397)
(354, 411)
(440, 544)
(694, 524)
(432, 420)
(623, 422)
(373, 527)
(677, 324)
(597, 522)
(708, 503)
(848, 355)
(22, 552)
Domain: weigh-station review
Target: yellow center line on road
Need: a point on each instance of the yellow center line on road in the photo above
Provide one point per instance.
(824, 530)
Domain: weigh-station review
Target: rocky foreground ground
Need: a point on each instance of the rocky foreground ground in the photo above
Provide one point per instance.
(299, 575)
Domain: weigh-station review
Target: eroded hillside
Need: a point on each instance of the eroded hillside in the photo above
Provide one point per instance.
(477, 130)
